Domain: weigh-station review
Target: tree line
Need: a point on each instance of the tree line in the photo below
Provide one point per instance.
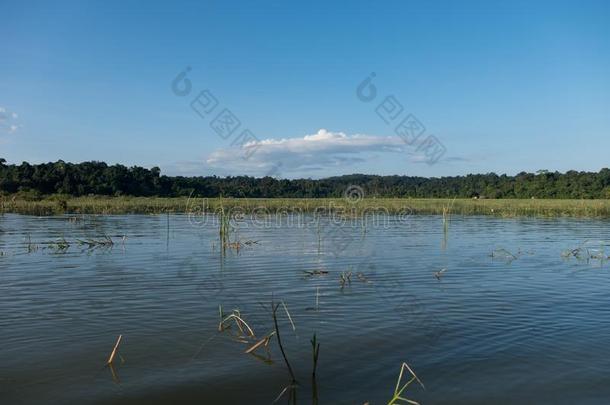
(99, 178)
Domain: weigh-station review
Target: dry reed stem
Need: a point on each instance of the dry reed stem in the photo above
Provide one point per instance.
(238, 321)
(263, 341)
(294, 328)
(114, 351)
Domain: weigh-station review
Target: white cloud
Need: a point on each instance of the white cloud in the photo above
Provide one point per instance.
(8, 121)
(319, 151)
(321, 154)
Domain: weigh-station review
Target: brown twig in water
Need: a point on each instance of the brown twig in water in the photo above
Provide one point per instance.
(264, 341)
(238, 320)
(114, 351)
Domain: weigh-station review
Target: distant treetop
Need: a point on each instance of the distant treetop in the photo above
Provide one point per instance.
(99, 178)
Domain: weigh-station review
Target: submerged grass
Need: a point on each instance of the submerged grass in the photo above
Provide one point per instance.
(155, 205)
(588, 250)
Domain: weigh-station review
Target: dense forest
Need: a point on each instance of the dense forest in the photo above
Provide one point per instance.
(33, 181)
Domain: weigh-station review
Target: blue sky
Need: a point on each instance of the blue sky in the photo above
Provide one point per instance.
(502, 86)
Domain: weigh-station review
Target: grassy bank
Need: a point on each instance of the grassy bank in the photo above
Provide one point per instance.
(153, 205)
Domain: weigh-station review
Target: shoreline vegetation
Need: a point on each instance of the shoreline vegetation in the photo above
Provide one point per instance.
(106, 205)
(33, 181)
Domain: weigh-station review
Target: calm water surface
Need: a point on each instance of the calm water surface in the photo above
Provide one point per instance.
(531, 329)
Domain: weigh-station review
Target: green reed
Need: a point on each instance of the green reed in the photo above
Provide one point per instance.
(398, 397)
(224, 228)
(157, 205)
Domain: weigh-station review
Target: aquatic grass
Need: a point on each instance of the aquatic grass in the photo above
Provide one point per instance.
(31, 247)
(345, 277)
(263, 342)
(447, 215)
(319, 229)
(294, 328)
(588, 250)
(446, 218)
(60, 246)
(293, 381)
(397, 398)
(362, 277)
(440, 273)
(239, 244)
(315, 346)
(503, 254)
(316, 272)
(291, 387)
(106, 241)
(224, 229)
(244, 329)
(235, 318)
(316, 353)
(106, 205)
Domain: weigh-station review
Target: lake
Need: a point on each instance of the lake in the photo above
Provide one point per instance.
(514, 313)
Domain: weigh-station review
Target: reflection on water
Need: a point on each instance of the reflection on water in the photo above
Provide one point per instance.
(498, 313)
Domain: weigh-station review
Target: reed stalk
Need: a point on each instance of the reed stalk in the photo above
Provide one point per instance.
(114, 350)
